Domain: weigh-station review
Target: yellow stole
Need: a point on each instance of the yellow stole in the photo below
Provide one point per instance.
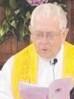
(25, 66)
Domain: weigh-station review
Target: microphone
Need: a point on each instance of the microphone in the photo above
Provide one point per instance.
(53, 62)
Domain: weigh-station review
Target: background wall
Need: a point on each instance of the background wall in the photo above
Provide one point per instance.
(70, 4)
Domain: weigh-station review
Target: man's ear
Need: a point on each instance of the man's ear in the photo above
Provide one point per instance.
(65, 33)
(31, 37)
(30, 32)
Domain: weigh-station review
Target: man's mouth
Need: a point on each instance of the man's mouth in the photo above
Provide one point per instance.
(44, 50)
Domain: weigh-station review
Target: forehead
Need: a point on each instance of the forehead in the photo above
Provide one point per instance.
(46, 24)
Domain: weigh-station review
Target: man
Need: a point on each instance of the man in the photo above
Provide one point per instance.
(48, 58)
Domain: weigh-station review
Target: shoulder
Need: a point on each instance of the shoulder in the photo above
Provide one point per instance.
(25, 55)
(69, 45)
(69, 49)
(24, 52)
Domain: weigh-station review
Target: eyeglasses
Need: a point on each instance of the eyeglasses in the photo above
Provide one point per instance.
(48, 35)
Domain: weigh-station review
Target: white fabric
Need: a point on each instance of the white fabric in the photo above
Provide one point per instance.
(49, 72)
(44, 75)
(5, 80)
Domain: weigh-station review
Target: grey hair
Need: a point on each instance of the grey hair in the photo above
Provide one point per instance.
(50, 10)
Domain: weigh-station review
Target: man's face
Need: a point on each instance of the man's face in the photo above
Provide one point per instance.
(47, 37)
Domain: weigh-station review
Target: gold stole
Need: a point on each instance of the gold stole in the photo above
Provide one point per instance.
(26, 69)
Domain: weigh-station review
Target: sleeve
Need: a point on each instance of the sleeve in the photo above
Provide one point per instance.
(5, 80)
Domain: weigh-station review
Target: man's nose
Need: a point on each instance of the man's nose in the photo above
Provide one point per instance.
(45, 40)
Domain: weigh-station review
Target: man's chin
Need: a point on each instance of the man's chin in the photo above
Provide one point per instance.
(45, 56)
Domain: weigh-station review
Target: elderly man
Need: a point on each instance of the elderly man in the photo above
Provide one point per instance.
(47, 58)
